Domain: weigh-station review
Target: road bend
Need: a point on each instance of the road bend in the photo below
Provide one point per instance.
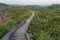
(19, 34)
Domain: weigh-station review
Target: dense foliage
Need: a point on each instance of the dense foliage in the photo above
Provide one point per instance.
(46, 24)
(10, 17)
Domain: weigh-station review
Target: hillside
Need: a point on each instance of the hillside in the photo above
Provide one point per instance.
(10, 17)
(46, 23)
(44, 26)
(3, 5)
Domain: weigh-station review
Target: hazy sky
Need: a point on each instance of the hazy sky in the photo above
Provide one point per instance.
(31, 2)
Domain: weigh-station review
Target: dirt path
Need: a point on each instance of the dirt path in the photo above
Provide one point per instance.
(20, 33)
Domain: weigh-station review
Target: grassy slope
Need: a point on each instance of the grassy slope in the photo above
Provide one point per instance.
(10, 17)
(45, 25)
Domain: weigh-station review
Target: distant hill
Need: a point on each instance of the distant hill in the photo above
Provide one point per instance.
(54, 6)
(3, 5)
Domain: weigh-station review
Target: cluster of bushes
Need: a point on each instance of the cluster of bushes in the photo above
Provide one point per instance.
(45, 25)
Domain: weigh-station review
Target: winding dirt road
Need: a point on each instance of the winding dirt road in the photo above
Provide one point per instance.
(19, 34)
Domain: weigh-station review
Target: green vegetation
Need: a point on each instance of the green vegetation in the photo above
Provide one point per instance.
(10, 17)
(46, 24)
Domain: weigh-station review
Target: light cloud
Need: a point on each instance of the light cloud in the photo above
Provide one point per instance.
(31, 2)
